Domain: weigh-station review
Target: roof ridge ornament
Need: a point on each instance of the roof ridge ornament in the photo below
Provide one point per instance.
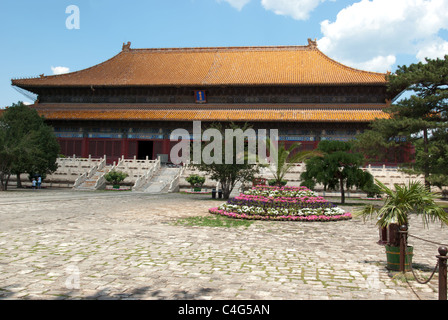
(312, 44)
(126, 46)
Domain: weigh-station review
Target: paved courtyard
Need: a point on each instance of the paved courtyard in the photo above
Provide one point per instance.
(62, 244)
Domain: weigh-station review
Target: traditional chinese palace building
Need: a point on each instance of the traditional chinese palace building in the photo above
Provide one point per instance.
(129, 104)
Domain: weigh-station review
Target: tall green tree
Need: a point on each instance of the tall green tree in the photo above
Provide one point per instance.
(337, 168)
(7, 152)
(419, 119)
(228, 174)
(27, 144)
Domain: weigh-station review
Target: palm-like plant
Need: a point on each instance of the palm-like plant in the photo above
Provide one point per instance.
(413, 198)
(285, 159)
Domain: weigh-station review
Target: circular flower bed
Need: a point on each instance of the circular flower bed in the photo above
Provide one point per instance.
(281, 203)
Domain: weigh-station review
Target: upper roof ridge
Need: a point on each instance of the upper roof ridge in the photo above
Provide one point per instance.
(311, 46)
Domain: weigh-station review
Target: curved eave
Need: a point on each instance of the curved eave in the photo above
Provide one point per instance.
(252, 115)
(238, 66)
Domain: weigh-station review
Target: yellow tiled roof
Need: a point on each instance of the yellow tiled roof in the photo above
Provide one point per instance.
(277, 65)
(311, 114)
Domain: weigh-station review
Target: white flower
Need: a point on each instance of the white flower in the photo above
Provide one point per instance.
(259, 210)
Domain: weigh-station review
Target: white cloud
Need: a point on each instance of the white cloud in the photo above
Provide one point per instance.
(297, 9)
(379, 63)
(60, 70)
(237, 4)
(435, 48)
(372, 33)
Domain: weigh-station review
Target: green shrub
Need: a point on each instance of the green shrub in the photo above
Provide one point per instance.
(309, 183)
(273, 182)
(195, 180)
(115, 177)
(372, 190)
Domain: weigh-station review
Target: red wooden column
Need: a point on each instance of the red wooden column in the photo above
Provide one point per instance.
(166, 146)
(125, 147)
(85, 147)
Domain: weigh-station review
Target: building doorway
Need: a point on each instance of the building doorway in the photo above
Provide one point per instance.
(145, 148)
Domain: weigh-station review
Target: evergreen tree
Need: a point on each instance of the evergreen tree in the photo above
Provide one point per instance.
(419, 120)
(27, 144)
(337, 168)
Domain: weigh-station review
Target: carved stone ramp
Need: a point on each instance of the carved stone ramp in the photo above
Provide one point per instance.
(94, 182)
(161, 181)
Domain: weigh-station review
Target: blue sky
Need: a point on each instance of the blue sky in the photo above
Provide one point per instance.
(374, 35)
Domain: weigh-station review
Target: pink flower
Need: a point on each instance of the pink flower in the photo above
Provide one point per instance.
(344, 216)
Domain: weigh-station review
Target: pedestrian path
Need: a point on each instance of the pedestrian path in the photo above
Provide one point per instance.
(106, 245)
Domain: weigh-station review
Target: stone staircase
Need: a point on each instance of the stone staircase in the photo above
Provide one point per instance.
(162, 180)
(91, 183)
(139, 172)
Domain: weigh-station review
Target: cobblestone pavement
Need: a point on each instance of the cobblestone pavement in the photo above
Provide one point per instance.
(106, 245)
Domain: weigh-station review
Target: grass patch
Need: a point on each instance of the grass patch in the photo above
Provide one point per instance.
(403, 277)
(352, 202)
(214, 221)
(196, 193)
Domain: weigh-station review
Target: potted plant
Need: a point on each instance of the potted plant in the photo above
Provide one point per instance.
(196, 181)
(399, 204)
(115, 178)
